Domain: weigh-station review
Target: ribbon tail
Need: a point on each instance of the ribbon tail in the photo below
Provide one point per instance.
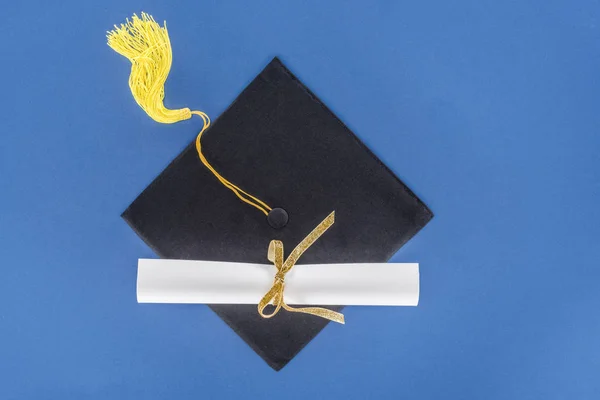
(319, 312)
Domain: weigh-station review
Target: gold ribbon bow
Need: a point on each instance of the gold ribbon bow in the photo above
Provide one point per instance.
(275, 295)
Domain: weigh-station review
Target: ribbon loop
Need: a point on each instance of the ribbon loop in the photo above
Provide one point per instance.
(275, 295)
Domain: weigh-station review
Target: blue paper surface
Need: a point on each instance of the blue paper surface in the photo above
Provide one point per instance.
(488, 110)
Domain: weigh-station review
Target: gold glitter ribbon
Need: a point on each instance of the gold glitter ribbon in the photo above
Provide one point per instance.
(275, 295)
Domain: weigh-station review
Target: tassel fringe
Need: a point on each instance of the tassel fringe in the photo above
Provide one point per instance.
(146, 44)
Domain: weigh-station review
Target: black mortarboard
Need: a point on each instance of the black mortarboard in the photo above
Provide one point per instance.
(280, 142)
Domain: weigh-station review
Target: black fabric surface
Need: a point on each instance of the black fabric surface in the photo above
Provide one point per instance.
(280, 143)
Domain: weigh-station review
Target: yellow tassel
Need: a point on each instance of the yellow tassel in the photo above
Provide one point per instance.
(146, 44)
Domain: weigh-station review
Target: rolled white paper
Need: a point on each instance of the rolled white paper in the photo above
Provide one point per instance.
(211, 282)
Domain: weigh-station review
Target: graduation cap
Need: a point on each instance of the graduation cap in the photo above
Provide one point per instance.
(300, 162)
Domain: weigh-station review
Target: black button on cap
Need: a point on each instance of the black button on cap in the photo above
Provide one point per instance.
(277, 218)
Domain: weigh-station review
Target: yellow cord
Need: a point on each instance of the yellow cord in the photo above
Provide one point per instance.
(146, 44)
(242, 195)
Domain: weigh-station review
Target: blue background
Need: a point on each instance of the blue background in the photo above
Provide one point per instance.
(488, 110)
